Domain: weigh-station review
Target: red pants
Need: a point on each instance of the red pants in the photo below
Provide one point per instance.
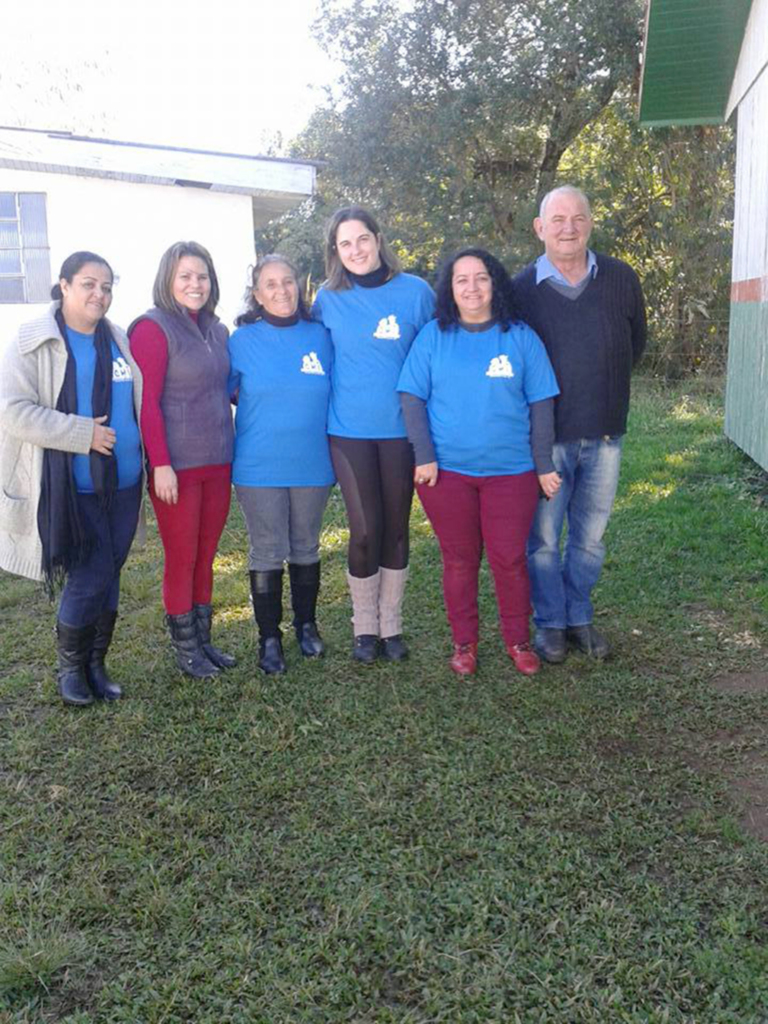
(190, 532)
(467, 513)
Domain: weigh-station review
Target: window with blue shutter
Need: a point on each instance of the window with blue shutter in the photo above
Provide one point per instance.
(25, 266)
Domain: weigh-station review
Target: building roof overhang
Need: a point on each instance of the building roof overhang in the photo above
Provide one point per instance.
(689, 59)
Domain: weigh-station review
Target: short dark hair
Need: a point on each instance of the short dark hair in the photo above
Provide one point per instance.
(254, 310)
(162, 290)
(502, 302)
(337, 278)
(73, 265)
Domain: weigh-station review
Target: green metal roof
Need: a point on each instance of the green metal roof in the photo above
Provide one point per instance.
(691, 51)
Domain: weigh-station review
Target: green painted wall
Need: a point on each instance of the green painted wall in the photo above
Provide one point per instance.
(746, 395)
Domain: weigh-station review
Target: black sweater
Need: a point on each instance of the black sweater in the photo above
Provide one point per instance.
(593, 342)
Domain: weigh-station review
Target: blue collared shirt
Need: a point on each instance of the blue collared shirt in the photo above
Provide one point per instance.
(545, 268)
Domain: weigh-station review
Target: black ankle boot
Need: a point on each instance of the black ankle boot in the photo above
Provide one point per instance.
(204, 614)
(267, 597)
(103, 687)
(185, 639)
(74, 647)
(305, 586)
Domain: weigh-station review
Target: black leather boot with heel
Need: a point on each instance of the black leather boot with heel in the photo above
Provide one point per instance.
(104, 688)
(185, 638)
(204, 614)
(73, 645)
(305, 586)
(267, 597)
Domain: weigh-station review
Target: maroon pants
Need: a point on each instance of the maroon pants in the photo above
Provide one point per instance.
(468, 513)
(190, 532)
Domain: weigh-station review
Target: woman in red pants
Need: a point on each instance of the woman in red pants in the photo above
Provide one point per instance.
(477, 393)
(181, 348)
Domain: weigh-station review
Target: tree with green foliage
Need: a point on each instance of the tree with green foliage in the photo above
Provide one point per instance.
(663, 201)
(453, 115)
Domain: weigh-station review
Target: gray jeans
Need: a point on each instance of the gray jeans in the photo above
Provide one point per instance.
(283, 524)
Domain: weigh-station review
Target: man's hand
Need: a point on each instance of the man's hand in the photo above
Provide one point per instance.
(549, 483)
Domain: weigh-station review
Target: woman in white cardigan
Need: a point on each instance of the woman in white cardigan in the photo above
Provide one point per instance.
(71, 466)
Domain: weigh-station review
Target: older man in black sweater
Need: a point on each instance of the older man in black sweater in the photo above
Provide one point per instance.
(589, 311)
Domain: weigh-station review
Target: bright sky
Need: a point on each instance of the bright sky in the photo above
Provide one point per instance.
(226, 74)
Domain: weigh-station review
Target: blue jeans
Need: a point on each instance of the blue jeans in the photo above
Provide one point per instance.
(561, 586)
(94, 586)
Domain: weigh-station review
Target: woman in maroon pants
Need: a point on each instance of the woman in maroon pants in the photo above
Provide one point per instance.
(181, 348)
(477, 392)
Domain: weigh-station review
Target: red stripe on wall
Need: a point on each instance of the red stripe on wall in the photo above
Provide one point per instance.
(753, 290)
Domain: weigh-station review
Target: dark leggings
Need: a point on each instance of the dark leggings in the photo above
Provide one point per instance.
(376, 480)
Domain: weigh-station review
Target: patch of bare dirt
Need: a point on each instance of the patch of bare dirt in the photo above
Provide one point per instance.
(741, 682)
(752, 795)
(717, 622)
(616, 746)
(741, 755)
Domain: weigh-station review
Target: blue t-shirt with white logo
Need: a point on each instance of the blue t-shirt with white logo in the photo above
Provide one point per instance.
(284, 379)
(127, 448)
(478, 386)
(372, 331)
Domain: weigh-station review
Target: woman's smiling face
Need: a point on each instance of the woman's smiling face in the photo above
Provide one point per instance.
(87, 298)
(191, 286)
(358, 247)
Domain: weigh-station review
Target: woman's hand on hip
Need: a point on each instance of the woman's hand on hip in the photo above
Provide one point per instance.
(426, 474)
(549, 483)
(103, 438)
(166, 484)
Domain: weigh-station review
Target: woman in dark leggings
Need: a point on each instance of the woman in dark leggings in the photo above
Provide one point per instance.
(373, 311)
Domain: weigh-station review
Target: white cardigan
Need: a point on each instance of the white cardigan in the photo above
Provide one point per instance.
(31, 378)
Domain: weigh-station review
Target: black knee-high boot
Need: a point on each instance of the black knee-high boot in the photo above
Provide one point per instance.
(73, 644)
(267, 597)
(305, 586)
(103, 687)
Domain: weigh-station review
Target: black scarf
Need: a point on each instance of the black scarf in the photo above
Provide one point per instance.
(66, 544)
(373, 279)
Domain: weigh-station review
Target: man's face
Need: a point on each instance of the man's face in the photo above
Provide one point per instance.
(565, 227)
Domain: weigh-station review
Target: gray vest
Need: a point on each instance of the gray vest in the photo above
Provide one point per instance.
(195, 401)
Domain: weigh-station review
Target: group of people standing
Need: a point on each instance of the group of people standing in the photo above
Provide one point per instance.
(503, 402)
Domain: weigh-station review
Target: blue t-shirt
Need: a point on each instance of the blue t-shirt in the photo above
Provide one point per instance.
(372, 331)
(284, 380)
(127, 448)
(478, 386)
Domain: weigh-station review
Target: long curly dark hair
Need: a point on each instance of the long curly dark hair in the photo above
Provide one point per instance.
(502, 302)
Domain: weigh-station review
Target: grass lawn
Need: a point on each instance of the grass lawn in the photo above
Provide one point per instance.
(394, 844)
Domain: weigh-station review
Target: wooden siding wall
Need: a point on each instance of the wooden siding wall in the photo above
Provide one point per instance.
(754, 54)
(746, 413)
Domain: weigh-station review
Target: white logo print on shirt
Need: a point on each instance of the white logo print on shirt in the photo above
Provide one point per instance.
(311, 364)
(500, 366)
(121, 371)
(388, 329)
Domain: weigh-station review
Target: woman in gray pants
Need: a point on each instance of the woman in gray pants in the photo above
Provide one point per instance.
(281, 364)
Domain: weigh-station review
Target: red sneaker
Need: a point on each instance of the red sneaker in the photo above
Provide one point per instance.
(524, 658)
(464, 659)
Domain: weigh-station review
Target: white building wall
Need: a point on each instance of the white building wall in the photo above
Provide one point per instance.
(750, 244)
(131, 225)
(753, 57)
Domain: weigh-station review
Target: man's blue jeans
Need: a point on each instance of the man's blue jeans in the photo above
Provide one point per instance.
(561, 586)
